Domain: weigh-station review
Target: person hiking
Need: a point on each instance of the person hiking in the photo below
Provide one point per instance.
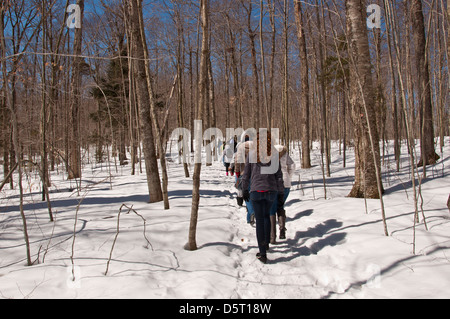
(228, 152)
(263, 174)
(240, 156)
(288, 169)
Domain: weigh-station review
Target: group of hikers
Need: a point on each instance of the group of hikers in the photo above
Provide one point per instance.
(263, 190)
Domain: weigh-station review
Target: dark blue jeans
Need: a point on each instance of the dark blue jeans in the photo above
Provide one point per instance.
(262, 203)
(274, 208)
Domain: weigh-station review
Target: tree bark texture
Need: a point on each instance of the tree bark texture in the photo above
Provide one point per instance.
(202, 105)
(428, 154)
(304, 98)
(143, 100)
(362, 100)
(74, 147)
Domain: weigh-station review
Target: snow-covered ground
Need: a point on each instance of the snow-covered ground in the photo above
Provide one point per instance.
(335, 247)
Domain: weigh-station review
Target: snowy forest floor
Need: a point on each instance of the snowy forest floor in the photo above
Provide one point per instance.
(335, 247)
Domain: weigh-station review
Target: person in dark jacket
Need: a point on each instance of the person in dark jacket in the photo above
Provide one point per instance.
(240, 157)
(263, 174)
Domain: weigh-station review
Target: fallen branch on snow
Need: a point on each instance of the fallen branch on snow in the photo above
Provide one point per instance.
(130, 209)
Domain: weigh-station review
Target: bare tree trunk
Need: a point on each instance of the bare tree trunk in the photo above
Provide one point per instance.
(448, 38)
(133, 112)
(5, 136)
(132, 10)
(252, 35)
(212, 97)
(235, 73)
(159, 137)
(272, 59)
(203, 79)
(394, 104)
(54, 92)
(211, 115)
(391, 26)
(285, 105)
(15, 128)
(409, 104)
(43, 121)
(180, 99)
(380, 102)
(428, 154)
(227, 90)
(362, 99)
(448, 203)
(263, 66)
(443, 117)
(325, 144)
(446, 21)
(304, 99)
(74, 156)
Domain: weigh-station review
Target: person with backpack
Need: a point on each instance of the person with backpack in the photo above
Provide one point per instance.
(263, 174)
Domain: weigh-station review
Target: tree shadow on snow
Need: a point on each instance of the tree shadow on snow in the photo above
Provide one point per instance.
(103, 200)
(385, 270)
(299, 215)
(74, 202)
(204, 193)
(296, 247)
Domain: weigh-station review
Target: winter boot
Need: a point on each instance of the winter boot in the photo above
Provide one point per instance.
(273, 229)
(261, 258)
(282, 222)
